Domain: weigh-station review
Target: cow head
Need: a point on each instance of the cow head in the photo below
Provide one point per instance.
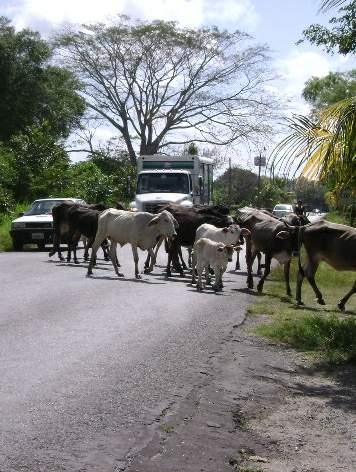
(166, 224)
(227, 250)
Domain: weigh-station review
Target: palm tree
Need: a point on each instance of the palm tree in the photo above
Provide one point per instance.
(324, 149)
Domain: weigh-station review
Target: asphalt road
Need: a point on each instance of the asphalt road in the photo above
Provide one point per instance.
(89, 364)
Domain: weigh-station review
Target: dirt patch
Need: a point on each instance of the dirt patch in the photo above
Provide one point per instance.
(257, 407)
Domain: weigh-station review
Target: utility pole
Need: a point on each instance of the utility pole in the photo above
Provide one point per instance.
(260, 161)
(230, 182)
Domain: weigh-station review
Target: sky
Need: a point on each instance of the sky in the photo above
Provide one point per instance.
(276, 23)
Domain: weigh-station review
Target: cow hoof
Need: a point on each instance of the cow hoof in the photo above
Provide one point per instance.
(51, 253)
(138, 277)
(289, 293)
(119, 274)
(199, 288)
(89, 274)
(321, 301)
(341, 306)
(62, 259)
(76, 261)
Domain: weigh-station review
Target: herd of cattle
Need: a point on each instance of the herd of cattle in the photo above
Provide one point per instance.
(212, 235)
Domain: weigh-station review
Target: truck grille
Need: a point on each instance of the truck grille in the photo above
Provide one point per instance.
(39, 225)
(153, 207)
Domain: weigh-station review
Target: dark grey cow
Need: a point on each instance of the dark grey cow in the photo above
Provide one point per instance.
(276, 239)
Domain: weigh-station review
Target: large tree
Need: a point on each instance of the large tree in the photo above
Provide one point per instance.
(341, 37)
(322, 92)
(159, 85)
(31, 89)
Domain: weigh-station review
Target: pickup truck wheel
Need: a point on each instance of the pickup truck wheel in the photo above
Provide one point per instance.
(17, 245)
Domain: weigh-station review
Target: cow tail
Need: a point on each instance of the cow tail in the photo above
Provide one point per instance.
(300, 243)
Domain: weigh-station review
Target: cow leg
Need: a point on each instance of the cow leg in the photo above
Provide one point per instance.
(286, 269)
(105, 248)
(259, 265)
(94, 250)
(265, 273)
(217, 286)
(250, 257)
(341, 304)
(189, 257)
(207, 275)
(237, 266)
(113, 257)
(194, 263)
(152, 256)
(135, 256)
(309, 271)
(184, 265)
(200, 269)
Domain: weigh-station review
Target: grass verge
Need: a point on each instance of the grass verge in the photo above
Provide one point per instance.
(324, 332)
(5, 225)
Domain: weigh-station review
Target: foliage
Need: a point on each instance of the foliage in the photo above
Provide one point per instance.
(341, 36)
(117, 166)
(326, 148)
(271, 193)
(154, 82)
(32, 91)
(5, 224)
(243, 187)
(87, 181)
(39, 164)
(311, 192)
(325, 91)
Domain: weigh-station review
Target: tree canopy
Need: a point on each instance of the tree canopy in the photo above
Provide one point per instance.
(160, 85)
(321, 92)
(31, 89)
(341, 37)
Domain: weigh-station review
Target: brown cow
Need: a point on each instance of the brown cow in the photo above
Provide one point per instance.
(276, 239)
(329, 242)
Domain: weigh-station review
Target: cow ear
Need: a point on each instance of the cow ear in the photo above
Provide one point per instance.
(154, 221)
(225, 230)
(283, 235)
(245, 232)
(220, 249)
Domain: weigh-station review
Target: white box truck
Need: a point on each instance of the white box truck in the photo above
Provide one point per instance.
(186, 180)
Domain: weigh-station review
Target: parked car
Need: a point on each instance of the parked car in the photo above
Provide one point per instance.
(35, 225)
(282, 209)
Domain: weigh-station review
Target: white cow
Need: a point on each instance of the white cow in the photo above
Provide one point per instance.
(140, 229)
(228, 235)
(207, 253)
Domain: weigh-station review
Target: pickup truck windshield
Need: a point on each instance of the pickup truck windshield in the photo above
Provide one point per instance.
(163, 183)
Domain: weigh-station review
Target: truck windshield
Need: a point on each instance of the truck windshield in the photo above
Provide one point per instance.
(163, 183)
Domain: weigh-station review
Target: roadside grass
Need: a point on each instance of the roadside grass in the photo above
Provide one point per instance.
(321, 331)
(336, 217)
(5, 225)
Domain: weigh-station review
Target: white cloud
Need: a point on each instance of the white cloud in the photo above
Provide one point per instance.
(45, 15)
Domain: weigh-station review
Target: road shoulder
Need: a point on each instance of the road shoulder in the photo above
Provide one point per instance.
(258, 407)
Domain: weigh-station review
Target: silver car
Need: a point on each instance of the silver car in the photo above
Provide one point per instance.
(282, 209)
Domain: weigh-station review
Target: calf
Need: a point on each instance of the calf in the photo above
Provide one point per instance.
(329, 242)
(189, 219)
(207, 253)
(227, 235)
(140, 229)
